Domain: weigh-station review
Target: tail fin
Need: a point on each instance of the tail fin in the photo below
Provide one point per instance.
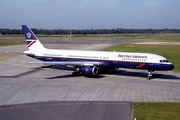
(32, 41)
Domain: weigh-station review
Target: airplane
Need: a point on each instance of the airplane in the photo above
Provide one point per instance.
(88, 63)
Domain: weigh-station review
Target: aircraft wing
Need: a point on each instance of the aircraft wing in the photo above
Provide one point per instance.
(71, 63)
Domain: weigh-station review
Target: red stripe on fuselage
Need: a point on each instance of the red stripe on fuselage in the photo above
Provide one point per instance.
(141, 65)
(31, 43)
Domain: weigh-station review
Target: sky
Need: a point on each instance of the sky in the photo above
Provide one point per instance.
(90, 14)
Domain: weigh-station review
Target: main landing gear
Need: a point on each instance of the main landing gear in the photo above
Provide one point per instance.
(150, 75)
(76, 72)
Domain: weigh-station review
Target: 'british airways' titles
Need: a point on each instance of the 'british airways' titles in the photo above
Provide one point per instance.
(132, 56)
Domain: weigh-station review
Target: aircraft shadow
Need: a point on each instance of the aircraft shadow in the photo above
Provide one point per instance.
(137, 74)
(64, 67)
(32, 70)
(72, 76)
(118, 72)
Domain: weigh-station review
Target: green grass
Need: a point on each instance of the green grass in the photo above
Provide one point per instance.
(156, 111)
(11, 42)
(93, 37)
(74, 37)
(175, 38)
(171, 52)
(159, 37)
(138, 37)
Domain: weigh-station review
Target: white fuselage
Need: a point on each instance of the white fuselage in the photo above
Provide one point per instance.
(114, 59)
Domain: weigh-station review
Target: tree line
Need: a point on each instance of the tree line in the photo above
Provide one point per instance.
(89, 31)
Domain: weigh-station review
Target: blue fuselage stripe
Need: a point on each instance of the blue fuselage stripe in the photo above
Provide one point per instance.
(110, 63)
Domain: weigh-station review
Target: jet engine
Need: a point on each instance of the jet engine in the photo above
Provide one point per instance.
(88, 70)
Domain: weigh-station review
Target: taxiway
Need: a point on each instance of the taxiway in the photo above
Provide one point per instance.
(28, 83)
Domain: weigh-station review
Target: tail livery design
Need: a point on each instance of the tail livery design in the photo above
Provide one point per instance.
(32, 41)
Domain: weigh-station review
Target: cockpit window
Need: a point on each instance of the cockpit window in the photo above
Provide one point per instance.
(163, 61)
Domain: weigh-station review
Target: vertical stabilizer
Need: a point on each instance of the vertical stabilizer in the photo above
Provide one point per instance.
(32, 41)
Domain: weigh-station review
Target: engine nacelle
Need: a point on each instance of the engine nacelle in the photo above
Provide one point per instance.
(88, 70)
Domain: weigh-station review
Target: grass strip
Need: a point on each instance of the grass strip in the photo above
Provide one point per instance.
(156, 111)
(11, 42)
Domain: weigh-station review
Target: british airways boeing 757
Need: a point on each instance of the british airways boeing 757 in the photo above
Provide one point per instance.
(88, 63)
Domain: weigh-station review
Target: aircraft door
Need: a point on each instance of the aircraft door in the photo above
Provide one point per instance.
(63, 57)
(151, 64)
(115, 60)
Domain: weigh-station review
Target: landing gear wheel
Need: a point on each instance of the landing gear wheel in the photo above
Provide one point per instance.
(150, 75)
(75, 73)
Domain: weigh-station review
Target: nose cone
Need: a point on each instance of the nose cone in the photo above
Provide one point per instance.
(171, 67)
